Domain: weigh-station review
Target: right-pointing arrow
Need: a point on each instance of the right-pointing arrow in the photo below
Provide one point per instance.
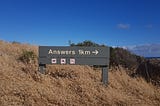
(95, 52)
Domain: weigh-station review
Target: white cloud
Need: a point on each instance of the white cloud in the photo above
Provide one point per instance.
(123, 26)
(146, 50)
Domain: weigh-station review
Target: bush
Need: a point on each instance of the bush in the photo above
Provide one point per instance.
(15, 42)
(28, 57)
(87, 43)
(120, 56)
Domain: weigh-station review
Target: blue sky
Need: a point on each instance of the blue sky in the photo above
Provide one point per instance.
(55, 22)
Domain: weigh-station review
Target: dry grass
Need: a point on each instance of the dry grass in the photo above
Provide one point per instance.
(22, 85)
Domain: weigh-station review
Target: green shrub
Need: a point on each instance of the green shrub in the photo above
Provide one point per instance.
(86, 43)
(28, 57)
(15, 42)
(118, 56)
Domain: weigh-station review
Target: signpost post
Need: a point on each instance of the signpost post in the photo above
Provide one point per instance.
(75, 55)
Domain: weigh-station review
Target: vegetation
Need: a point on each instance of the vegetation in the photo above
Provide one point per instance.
(86, 43)
(138, 66)
(15, 42)
(22, 85)
(27, 56)
(118, 56)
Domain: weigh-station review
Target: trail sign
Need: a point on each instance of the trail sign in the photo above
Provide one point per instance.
(75, 55)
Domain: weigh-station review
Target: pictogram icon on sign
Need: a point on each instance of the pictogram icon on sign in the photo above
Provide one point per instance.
(63, 61)
(54, 61)
(72, 61)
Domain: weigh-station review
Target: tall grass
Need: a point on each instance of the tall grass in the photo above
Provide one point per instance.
(22, 85)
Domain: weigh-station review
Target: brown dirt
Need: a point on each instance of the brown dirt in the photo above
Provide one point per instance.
(22, 85)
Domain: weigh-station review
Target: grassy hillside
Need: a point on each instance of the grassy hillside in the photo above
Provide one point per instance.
(149, 69)
(22, 85)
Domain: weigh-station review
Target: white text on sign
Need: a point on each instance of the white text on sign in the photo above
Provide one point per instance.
(72, 52)
(61, 52)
